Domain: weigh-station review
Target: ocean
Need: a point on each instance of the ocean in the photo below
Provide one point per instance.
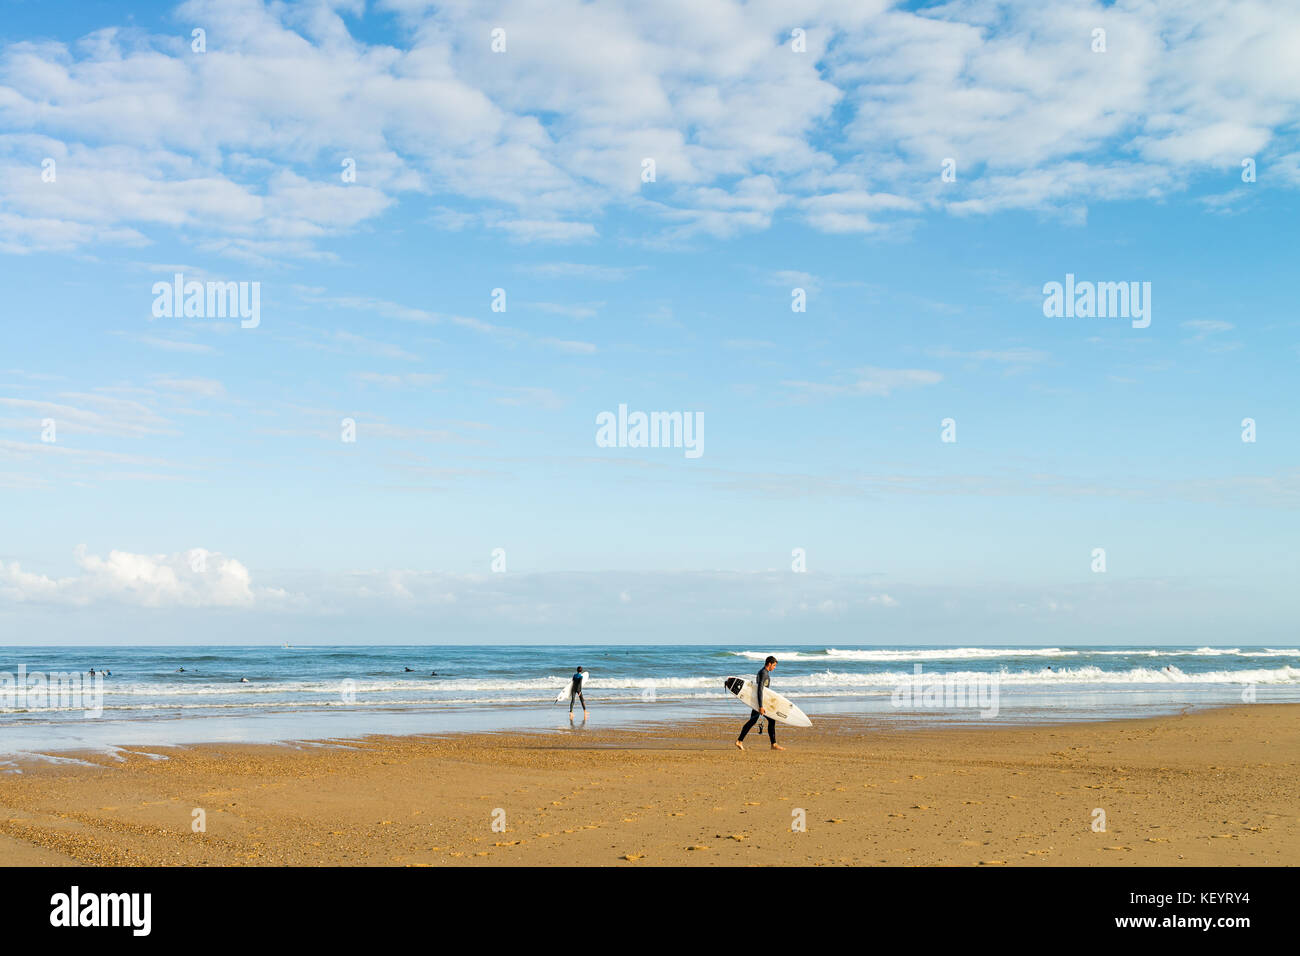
(307, 693)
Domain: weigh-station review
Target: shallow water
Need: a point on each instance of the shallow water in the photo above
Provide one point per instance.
(310, 693)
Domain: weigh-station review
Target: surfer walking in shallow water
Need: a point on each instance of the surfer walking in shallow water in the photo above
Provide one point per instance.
(763, 679)
(575, 692)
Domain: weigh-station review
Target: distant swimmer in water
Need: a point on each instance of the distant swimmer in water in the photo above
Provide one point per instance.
(245, 680)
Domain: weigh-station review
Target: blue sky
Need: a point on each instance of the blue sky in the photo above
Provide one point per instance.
(196, 487)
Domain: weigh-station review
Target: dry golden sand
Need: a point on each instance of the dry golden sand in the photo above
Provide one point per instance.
(1217, 787)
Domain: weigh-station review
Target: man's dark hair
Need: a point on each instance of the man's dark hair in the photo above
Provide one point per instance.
(770, 660)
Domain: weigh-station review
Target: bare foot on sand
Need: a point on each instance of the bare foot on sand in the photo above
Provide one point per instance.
(777, 747)
(739, 745)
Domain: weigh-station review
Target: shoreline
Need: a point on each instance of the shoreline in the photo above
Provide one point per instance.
(41, 742)
(1212, 787)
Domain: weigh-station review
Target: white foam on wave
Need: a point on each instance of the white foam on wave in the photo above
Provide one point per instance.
(821, 683)
(903, 654)
(993, 653)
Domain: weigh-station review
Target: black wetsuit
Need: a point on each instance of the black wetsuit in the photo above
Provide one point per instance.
(762, 680)
(578, 681)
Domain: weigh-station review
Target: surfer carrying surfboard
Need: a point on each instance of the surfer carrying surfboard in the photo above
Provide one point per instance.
(763, 679)
(575, 690)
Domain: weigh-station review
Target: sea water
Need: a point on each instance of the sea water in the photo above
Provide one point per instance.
(161, 696)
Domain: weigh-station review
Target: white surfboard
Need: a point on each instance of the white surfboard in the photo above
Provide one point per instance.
(778, 706)
(570, 690)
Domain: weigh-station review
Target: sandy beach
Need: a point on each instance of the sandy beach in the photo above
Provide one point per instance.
(1216, 787)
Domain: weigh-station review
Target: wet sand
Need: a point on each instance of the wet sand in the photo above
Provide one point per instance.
(1215, 787)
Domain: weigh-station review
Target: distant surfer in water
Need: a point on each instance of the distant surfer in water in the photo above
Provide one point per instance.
(763, 679)
(576, 691)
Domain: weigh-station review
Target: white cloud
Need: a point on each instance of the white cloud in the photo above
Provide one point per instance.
(580, 270)
(571, 347)
(852, 211)
(871, 381)
(1013, 356)
(547, 230)
(89, 413)
(196, 578)
(589, 311)
(242, 146)
(201, 387)
(408, 380)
